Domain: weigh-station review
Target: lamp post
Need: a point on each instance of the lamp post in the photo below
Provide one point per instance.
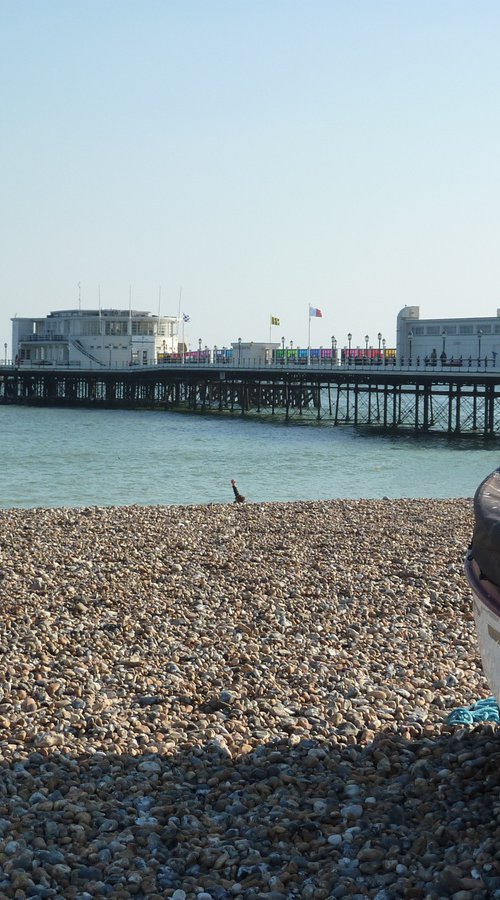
(239, 351)
(410, 338)
(5, 352)
(379, 338)
(367, 338)
(479, 336)
(334, 344)
(283, 349)
(383, 348)
(215, 354)
(443, 335)
(199, 351)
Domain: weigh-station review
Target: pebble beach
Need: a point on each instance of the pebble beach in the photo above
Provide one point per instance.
(246, 701)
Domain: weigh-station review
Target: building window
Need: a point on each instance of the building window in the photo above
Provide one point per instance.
(116, 327)
(486, 329)
(466, 329)
(90, 327)
(433, 329)
(143, 327)
(418, 330)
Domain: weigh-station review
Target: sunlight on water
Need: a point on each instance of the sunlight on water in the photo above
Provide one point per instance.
(54, 457)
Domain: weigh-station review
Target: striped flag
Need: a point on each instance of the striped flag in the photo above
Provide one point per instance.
(315, 313)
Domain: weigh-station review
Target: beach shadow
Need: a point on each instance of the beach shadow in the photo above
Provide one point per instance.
(413, 818)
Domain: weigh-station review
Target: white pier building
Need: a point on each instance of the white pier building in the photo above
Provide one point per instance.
(454, 340)
(110, 338)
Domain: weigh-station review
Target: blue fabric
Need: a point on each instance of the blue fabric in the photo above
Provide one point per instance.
(481, 711)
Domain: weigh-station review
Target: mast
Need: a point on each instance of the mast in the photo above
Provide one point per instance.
(309, 339)
(179, 316)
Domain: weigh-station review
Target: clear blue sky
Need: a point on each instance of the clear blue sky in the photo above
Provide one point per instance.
(261, 155)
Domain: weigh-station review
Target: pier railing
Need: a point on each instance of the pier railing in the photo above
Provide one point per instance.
(469, 364)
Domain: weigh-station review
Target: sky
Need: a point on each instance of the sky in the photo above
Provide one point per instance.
(242, 159)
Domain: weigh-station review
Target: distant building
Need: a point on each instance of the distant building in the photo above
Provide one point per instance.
(106, 338)
(253, 353)
(475, 338)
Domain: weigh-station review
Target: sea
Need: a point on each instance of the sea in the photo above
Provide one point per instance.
(52, 457)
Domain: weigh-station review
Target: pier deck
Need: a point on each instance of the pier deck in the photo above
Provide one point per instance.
(458, 401)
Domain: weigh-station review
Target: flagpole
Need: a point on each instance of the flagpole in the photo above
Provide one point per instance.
(309, 339)
(179, 317)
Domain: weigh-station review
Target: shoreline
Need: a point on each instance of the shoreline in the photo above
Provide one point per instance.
(222, 700)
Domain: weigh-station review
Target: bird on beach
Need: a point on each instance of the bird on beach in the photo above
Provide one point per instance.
(238, 498)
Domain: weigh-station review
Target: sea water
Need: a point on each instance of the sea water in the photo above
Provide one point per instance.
(87, 457)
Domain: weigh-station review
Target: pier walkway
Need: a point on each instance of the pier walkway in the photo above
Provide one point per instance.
(447, 400)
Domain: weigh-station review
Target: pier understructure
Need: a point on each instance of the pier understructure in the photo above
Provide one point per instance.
(452, 403)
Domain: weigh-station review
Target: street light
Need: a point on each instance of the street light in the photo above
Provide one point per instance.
(367, 338)
(443, 335)
(410, 338)
(199, 351)
(239, 351)
(215, 354)
(349, 338)
(5, 351)
(383, 348)
(379, 337)
(480, 333)
(334, 347)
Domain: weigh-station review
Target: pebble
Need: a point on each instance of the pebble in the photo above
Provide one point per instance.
(206, 703)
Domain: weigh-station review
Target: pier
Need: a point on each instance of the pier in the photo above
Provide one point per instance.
(447, 401)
